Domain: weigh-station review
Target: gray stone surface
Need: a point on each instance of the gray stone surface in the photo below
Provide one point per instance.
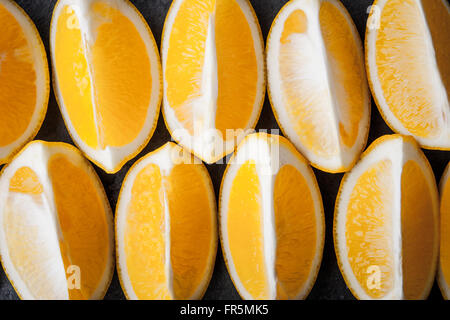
(329, 284)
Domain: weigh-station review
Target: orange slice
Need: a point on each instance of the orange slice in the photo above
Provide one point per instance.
(386, 222)
(408, 63)
(24, 80)
(56, 230)
(214, 80)
(107, 78)
(444, 265)
(166, 232)
(272, 238)
(317, 82)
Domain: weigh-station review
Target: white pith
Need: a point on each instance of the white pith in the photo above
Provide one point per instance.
(42, 77)
(110, 157)
(35, 156)
(207, 142)
(445, 287)
(435, 80)
(269, 158)
(319, 72)
(398, 151)
(165, 158)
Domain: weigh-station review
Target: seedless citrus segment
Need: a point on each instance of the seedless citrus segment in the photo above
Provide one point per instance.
(121, 72)
(106, 63)
(24, 80)
(418, 231)
(207, 93)
(272, 239)
(386, 222)
(246, 238)
(296, 232)
(237, 67)
(317, 82)
(144, 236)
(57, 225)
(72, 70)
(85, 234)
(191, 227)
(369, 229)
(444, 264)
(166, 227)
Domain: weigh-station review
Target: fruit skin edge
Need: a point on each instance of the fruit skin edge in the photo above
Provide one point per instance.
(158, 107)
(263, 93)
(322, 214)
(40, 120)
(372, 87)
(116, 242)
(103, 194)
(374, 144)
(369, 115)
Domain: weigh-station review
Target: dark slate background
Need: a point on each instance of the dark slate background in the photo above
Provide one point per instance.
(329, 284)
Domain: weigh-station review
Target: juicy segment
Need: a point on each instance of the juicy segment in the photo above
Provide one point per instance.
(322, 81)
(295, 229)
(369, 230)
(415, 90)
(168, 242)
(296, 232)
(18, 88)
(418, 231)
(445, 232)
(386, 229)
(246, 227)
(207, 89)
(46, 241)
(103, 69)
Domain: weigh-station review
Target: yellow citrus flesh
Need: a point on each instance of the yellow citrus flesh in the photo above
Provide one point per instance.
(411, 55)
(418, 232)
(44, 245)
(206, 86)
(84, 229)
(445, 233)
(272, 237)
(100, 81)
(386, 222)
(169, 239)
(317, 83)
(246, 227)
(295, 226)
(17, 80)
(144, 236)
(369, 228)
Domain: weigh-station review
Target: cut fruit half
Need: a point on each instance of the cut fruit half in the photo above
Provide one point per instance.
(24, 80)
(408, 65)
(444, 263)
(107, 78)
(166, 229)
(271, 220)
(386, 228)
(56, 225)
(317, 82)
(214, 79)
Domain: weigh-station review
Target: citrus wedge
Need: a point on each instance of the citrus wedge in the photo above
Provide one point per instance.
(24, 80)
(214, 79)
(271, 220)
(166, 229)
(444, 264)
(107, 78)
(317, 83)
(408, 64)
(56, 230)
(386, 222)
